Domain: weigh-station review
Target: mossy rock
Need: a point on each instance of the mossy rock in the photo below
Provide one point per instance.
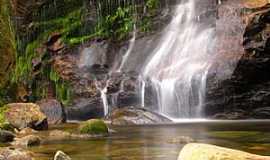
(4, 124)
(94, 127)
(23, 115)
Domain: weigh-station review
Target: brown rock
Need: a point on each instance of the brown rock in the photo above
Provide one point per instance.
(15, 154)
(255, 3)
(27, 131)
(23, 115)
(27, 141)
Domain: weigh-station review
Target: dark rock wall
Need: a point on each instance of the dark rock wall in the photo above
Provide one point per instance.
(246, 94)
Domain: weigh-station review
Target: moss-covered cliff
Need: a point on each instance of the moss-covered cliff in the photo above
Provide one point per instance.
(7, 47)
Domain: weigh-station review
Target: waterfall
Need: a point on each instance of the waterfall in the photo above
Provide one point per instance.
(103, 95)
(130, 48)
(178, 67)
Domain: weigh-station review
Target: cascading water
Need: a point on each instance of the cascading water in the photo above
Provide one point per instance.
(178, 67)
(103, 89)
(130, 48)
(103, 95)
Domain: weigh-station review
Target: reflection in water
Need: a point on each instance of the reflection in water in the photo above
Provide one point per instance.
(157, 142)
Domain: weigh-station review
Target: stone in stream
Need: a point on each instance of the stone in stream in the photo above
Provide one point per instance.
(196, 151)
(6, 136)
(23, 115)
(27, 141)
(61, 156)
(136, 116)
(27, 131)
(94, 127)
(181, 140)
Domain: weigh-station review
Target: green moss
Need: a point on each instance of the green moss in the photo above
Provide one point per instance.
(93, 126)
(62, 89)
(3, 122)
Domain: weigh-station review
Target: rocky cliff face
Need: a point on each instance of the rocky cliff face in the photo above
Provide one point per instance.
(67, 58)
(246, 93)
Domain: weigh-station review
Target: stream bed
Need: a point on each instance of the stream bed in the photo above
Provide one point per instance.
(160, 142)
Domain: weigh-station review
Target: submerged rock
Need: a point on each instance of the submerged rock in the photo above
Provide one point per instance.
(61, 156)
(6, 136)
(27, 141)
(94, 127)
(53, 110)
(58, 135)
(23, 115)
(196, 151)
(181, 140)
(136, 116)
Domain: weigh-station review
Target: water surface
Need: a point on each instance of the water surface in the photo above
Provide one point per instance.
(159, 142)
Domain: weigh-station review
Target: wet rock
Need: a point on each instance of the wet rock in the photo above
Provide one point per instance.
(27, 141)
(53, 110)
(94, 57)
(181, 140)
(23, 115)
(94, 127)
(61, 156)
(59, 135)
(234, 115)
(246, 93)
(6, 136)
(136, 116)
(85, 108)
(195, 151)
(15, 154)
(27, 131)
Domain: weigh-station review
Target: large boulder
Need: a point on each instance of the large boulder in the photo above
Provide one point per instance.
(136, 116)
(53, 110)
(195, 151)
(23, 115)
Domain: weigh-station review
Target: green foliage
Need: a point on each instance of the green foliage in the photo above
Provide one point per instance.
(117, 25)
(63, 92)
(152, 4)
(94, 127)
(7, 50)
(23, 67)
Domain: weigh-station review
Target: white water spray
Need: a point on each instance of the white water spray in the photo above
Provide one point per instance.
(142, 93)
(130, 48)
(179, 65)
